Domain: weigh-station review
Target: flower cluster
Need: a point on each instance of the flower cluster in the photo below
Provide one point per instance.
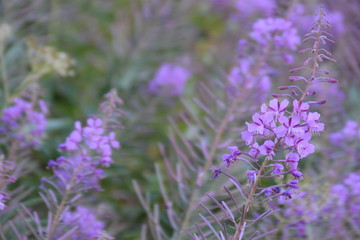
(242, 76)
(275, 129)
(25, 121)
(88, 227)
(88, 149)
(344, 199)
(250, 7)
(339, 208)
(350, 133)
(301, 19)
(170, 79)
(279, 135)
(305, 208)
(278, 31)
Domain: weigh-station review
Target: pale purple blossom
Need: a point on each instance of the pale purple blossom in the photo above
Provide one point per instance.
(88, 226)
(278, 31)
(25, 121)
(170, 80)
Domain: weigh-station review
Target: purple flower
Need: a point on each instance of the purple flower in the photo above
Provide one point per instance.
(293, 184)
(256, 6)
(88, 227)
(260, 123)
(232, 157)
(301, 144)
(216, 172)
(292, 160)
(297, 174)
(353, 182)
(278, 108)
(269, 191)
(304, 148)
(251, 175)
(350, 129)
(242, 76)
(313, 122)
(287, 194)
(247, 136)
(267, 148)
(3, 199)
(170, 80)
(277, 169)
(255, 151)
(87, 148)
(289, 126)
(276, 30)
(25, 121)
(300, 108)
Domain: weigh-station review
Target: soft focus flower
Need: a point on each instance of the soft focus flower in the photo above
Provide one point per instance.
(278, 31)
(170, 79)
(242, 77)
(251, 175)
(25, 121)
(232, 157)
(350, 133)
(88, 227)
(250, 7)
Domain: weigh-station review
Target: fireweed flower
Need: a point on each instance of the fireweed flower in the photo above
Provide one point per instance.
(277, 30)
(283, 128)
(25, 121)
(83, 218)
(247, 8)
(170, 80)
(87, 150)
(22, 127)
(350, 132)
(336, 208)
(301, 19)
(242, 76)
(271, 35)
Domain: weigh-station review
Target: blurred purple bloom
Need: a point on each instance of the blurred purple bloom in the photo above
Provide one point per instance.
(293, 184)
(251, 174)
(232, 157)
(275, 30)
(170, 80)
(25, 121)
(88, 227)
(256, 6)
(277, 169)
(216, 172)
